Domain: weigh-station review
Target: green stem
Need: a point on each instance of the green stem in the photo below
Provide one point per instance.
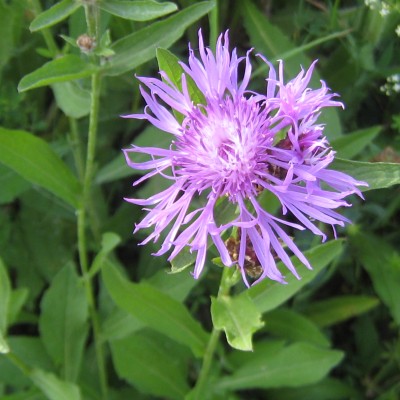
(82, 245)
(19, 363)
(91, 13)
(201, 384)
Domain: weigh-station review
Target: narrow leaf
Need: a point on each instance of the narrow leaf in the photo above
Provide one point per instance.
(139, 47)
(158, 310)
(65, 68)
(53, 387)
(5, 293)
(348, 146)
(382, 262)
(63, 321)
(153, 362)
(4, 348)
(338, 309)
(238, 317)
(378, 175)
(296, 365)
(288, 324)
(33, 159)
(268, 295)
(140, 10)
(54, 14)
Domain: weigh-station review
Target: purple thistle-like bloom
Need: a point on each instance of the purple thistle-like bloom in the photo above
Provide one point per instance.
(234, 145)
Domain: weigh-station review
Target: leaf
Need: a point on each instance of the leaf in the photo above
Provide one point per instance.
(65, 68)
(238, 317)
(296, 365)
(118, 168)
(144, 10)
(17, 300)
(378, 175)
(33, 159)
(53, 387)
(139, 47)
(54, 14)
(5, 293)
(156, 309)
(338, 309)
(63, 321)
(109, 242)
(382, 262)
(348, 146)
(4, 347)
(73, 100)
(273, 43)
(154, 361)
(7, 21)
(288, 324)
(268, 295)
(12, 185)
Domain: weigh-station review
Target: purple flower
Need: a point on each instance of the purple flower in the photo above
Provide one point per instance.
(235, 145)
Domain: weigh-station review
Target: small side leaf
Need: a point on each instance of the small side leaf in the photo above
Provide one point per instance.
(142, 10)
(53, 387)
(33, 159)
(65, 68)
(158, 310)
(378, 175)
(5, 293)
(54, 14)
(238, 317)
(338, 309)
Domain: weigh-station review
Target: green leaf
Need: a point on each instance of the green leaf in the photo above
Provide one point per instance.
(327, 389)
(350, 145)
(4, 347)
(72, 99)
(109, 242)
(139, 47)
(288, 324)
(378, 175)
(268, 295)
(382, 262)
(53, 387)
(156, 309)
(169, 63)
(65, 68)
(154, 361)
(5, 293)
(238, 317)
(17, 300)
(63, 321)
(120, 323)
(338, 309)
(7, 21)
(274, 44)
(33, 159)
(144, 10)
(12, 185)
(296, 365)
(54, 14)
(118, 168)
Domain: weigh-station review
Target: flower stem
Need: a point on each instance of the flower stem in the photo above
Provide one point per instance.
(82, 245)
(214, 25)
(198, 392)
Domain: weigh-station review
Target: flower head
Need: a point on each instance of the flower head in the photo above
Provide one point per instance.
(235, 144)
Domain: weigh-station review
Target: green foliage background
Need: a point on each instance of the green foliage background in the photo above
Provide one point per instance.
(87, 314)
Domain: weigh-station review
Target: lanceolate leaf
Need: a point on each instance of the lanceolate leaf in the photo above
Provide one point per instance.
(5, 293)
(139, 10)
(63, 321)
(55, 14)
(378, 175)
(139, 47)
(268, 295)
(158, 310)
(296, 365)
(66, 68)
(33, 159)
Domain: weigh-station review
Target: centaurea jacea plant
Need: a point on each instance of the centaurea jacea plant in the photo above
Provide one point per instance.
(231, 146)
